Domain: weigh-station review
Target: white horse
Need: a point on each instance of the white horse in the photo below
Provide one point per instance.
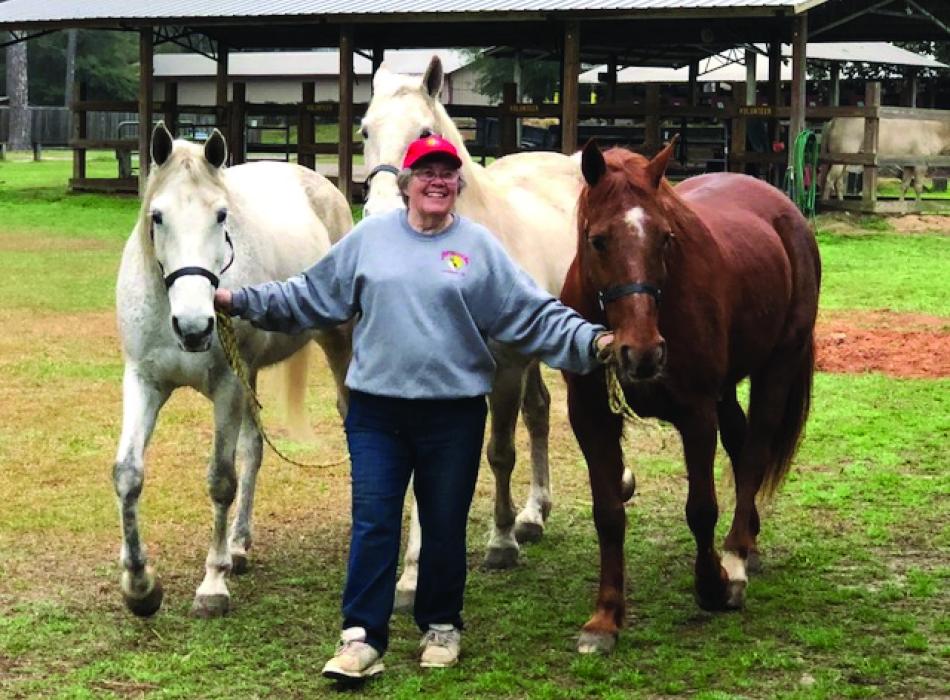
(198, 222)
(528, 201)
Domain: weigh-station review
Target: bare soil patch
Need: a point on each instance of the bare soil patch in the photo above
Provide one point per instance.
(899, 345)
(921, 223)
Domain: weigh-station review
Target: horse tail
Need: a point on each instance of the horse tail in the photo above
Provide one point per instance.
(788, 435)
(293, 391)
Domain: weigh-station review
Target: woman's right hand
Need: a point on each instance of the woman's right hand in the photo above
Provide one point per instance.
(222, 300)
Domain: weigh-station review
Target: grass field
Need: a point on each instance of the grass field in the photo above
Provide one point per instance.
(852, 602)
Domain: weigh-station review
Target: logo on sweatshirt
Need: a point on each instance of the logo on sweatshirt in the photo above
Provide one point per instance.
(454, 262)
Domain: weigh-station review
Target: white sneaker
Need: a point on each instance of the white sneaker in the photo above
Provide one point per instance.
(354, 658)
(440, 646)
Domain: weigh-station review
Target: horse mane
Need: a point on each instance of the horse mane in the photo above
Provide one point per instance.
(186, 160)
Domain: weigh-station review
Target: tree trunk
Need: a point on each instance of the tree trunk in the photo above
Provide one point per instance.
(71, 38)
(18, 91)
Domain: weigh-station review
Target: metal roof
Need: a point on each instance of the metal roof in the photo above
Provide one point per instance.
(35, 11)
(726, 68)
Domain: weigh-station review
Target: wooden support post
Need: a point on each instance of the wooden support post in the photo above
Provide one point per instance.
(569, 83)
(872, 98)
(750, 78)
(3, 150)
(834, 84)
(221, 89)
(612, 79)
(146, 101)
(737, 147)
(237, 146)
(305, 126)
(345, 150)
(693, 83)
(799, 41)
(775, 101)
(910, 87)
(651, 127)
(80, 131)
(508, 141)
(171, 107)
(37, 151)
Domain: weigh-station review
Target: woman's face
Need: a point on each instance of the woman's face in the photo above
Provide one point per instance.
(433, 188)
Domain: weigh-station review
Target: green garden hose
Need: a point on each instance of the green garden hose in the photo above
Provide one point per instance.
(801, 178)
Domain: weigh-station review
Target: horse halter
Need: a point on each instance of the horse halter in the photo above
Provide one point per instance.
(381, 168)
(194, 269)
(605, 296)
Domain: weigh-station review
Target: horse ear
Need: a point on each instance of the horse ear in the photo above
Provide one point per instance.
(593, 164)
(657, 166)
(161, 144)
(432, 80)
(216, 150)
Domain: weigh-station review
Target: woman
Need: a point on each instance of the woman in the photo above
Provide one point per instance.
(428, 288)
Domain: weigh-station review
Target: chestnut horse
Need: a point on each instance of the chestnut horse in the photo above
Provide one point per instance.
(737, 270)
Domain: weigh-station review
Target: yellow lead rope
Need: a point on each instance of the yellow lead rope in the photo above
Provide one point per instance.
(618, 402)
(229, 345)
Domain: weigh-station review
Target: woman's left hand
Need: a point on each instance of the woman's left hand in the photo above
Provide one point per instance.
(602, 346)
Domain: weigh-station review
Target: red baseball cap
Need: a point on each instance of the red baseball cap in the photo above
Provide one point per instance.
(430, 145)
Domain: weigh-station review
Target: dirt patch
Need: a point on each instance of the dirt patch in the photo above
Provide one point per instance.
(31, 243)
(921, 223)
(899, 345)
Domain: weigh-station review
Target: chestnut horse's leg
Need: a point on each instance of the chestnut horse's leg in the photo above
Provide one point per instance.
(598, 433)
(778, 393)
(697, 429)
(536, 415)
(733, 429)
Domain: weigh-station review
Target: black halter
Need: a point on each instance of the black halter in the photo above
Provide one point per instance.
(199, 271)
(605, 296)
(381, 168)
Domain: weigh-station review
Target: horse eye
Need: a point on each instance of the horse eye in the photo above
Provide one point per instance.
(365, 133)
(599, 243)
(425, 133)
(222, 215)
(668, 238)
(157, 218)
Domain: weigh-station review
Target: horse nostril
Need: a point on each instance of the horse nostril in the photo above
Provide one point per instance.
(660, 354)
(175, 326)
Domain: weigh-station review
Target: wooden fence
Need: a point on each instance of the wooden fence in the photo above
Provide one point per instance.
(51, 127)
(696, 124)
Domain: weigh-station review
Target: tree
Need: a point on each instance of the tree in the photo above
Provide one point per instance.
(72, 39)
(539, 79)
(18, 90)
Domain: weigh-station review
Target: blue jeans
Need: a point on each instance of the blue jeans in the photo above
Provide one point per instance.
(439, 441)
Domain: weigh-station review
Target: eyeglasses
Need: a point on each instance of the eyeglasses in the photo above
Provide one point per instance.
(428, 175)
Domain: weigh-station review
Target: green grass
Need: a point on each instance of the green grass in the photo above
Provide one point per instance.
(885, 271)
(852, 602)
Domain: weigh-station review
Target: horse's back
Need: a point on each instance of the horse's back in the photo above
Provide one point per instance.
(289, 214)
(765, 242)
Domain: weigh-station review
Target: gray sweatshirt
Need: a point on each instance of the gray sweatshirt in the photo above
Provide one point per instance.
(425, 306)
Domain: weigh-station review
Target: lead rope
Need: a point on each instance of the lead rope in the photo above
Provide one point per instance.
(229, 345)
(617, 402)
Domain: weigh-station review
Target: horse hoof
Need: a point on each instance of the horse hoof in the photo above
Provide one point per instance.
(405, 600)
(628, 485)
(596, 642)
(528, 532)
(208, 606)
(501, 558)
(735, 595)
(147, 605)
(239, 564)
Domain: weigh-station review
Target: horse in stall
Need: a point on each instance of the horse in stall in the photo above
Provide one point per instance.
(703, 285)
(200, 223)
(527, 200)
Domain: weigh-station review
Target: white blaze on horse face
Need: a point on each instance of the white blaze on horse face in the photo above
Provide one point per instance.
(636, 220)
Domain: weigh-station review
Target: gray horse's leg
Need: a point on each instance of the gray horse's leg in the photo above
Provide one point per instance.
(250, 450)
(536, 414)
(505, 401)
(212, 598)
(406, 585)
(141, 402)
